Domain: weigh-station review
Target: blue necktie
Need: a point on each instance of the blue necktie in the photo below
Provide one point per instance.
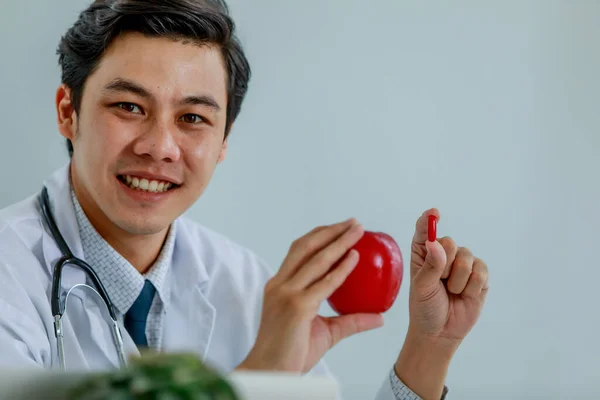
(135, 318)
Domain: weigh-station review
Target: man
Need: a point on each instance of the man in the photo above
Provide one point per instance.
(150, 91)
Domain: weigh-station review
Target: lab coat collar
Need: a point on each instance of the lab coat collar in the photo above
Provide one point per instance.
(59, 193)
(61, 206)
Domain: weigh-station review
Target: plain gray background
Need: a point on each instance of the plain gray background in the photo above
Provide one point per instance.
(380, 110)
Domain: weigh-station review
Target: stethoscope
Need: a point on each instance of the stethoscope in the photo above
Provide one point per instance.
(59, 308)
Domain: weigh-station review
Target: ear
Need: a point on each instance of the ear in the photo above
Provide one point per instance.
(65, 112)
(223, 152)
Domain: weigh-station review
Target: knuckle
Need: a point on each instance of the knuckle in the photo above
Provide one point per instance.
(323, 259)
(308, 246)
(294, 245)
(351, 236)
(464, 252)
(276, 290)
(449, 246)
(449, 243)
(326, 282)
(317, 229)
(270, 286)
(334, 278)
(482, 272)
(462, 265)
(447, 240)
(478, 278)
(301, 245)
(299, 242)
(481, 264)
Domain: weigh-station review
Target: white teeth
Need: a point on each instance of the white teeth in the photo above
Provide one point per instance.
(147, 185)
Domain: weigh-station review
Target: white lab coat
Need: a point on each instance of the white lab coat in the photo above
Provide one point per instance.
(214, 312)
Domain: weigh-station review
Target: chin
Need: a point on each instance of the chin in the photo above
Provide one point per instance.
(143, 227)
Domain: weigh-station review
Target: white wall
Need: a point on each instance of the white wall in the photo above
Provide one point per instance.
(380, 110)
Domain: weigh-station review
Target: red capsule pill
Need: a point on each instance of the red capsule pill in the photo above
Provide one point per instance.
(432, 228)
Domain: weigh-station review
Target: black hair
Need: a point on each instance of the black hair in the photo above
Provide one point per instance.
(206, 22)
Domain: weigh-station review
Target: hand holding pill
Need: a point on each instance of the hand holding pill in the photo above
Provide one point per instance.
(448, 284)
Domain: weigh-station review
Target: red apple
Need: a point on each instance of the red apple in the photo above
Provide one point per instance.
(374, 283)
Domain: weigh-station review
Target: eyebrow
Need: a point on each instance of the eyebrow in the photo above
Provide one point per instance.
(201, 100)
(125, 85)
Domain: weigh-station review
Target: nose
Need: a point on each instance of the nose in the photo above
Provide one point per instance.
(158, 142)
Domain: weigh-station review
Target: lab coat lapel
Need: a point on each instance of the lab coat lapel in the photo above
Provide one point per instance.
(191, 317)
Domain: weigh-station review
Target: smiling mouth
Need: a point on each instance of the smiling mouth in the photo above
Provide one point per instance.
(147, 185)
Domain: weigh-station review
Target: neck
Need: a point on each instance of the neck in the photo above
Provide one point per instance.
(141, 251)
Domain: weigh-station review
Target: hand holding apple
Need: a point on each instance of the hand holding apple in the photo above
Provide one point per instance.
(292, 336)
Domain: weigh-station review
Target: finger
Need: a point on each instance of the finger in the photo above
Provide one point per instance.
(477, 280)
(306, 246)
(324, 288)
(320, 228)
(347, 325)
(451, 249)
(324, 260)
(433, 267)
(461, 271)
(422, 226)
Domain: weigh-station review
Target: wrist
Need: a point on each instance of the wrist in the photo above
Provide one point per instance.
(423, 364)
(263, 362)
(248, 364)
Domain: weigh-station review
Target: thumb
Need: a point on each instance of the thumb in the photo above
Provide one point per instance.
(347, 325)
(433, 267)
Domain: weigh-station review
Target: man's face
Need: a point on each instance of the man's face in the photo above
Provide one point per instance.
(149, 133)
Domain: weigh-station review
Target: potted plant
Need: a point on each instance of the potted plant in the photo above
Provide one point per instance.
(157, 376)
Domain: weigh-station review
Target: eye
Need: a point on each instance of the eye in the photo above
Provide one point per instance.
(129, 107)
(191, 118)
